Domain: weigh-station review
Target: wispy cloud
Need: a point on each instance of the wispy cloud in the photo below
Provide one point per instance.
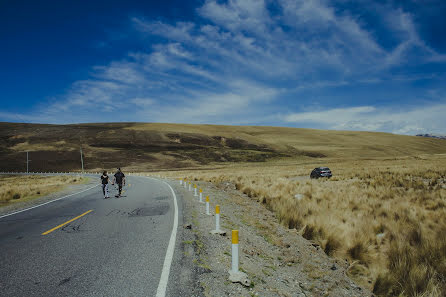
(244, 62)
(369, 118)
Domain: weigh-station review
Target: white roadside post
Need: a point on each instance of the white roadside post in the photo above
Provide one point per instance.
(181, 181)
(195, 191)
(207, 206)
(235, 275)
(234, 263)
(190, 186)
(217, 222)
(201, 195)
(185, 184)
(217, 217)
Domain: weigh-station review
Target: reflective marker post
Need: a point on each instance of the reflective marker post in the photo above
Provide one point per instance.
(207, 206)
(234, 266)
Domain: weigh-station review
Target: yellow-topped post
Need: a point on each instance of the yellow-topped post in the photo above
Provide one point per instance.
(190, 186)
(217, 222)
(195, 190)
(234, 266)
(207, 205)
(201, 195)
(217, 218)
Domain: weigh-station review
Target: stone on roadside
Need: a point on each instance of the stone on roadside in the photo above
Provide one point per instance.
(239, 277)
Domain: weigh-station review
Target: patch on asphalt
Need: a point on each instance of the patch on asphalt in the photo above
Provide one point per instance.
(155, 210)
(71, 228)
(161, 198)
(64, 281)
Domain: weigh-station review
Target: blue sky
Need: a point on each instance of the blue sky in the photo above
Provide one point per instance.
(346, 65)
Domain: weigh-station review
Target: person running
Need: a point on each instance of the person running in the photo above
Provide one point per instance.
(104, 180)
(119, 178)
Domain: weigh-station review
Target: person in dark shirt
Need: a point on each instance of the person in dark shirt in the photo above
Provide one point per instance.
(104, 181)
(119, 178)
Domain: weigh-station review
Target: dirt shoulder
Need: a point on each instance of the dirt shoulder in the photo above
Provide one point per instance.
(277, 260)
(67, 190)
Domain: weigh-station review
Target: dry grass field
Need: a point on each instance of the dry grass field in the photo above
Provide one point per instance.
(387, 216)
(16, 189)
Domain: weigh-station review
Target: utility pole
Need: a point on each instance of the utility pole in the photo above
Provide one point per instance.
(82, 161)
(27, 162)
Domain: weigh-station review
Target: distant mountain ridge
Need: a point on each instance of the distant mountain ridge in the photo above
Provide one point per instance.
(432, 136)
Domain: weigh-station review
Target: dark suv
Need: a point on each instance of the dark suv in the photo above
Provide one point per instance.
(320, 172)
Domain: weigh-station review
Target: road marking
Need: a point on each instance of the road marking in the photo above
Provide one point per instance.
(162, 286)
(67, 222)
(7, 215)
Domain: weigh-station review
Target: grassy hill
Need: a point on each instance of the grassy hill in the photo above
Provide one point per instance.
(150, 146)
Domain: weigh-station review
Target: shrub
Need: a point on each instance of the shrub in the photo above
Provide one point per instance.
(358, 251)
(332, 244)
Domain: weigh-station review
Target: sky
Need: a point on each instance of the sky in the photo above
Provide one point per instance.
(342, 65)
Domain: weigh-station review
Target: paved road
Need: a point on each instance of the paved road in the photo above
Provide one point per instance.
(117, 249)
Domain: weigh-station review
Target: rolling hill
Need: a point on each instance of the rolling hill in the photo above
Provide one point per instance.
(152, 146)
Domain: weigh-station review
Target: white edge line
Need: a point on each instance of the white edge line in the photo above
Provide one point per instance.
(162, 285)
(10, 214)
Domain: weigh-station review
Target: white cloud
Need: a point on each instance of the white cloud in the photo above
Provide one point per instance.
(332, 116)
(420, 119)
(143, 102)
(237, 15)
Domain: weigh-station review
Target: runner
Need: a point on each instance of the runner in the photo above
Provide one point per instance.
(119, 178)
(104, 180)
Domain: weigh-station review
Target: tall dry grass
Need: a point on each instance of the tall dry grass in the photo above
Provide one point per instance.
(15, 189)
(387, 217)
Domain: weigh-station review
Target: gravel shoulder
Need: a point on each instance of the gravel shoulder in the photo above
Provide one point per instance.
(277, 260)
(70, 189)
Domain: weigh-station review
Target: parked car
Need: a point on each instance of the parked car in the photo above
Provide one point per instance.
(320, 172)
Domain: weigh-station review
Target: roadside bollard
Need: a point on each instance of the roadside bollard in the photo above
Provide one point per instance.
(234, 264)
(190, 186)
(181, 181)
(235, 275)
(217, 222)
(217, 217)
(185, 184)
(195, 191)
(201, 195)
(207, 206)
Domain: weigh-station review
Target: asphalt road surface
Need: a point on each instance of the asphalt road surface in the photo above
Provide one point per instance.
(113, 247)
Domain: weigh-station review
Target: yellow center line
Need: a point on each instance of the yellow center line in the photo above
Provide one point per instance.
(67, 222)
